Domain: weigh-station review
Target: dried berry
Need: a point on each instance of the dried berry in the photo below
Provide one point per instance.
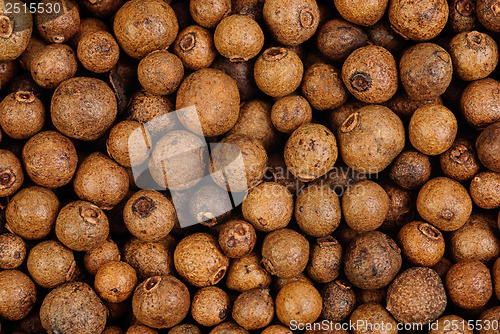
(12, 251)
(411, 169)
(253, 309)
(487, 13)
(11, 173)
(298, 301)
(210, 306)
(52, 65)
(488, 147)
(239, 38)
(149, 258)
(237, 238)
(370, 314)
(17, 294)
(460, 161)
(324, 263)
(337, 39)
(246, 273)
(195, 47)
(58, 26)
(361, 12)
(323, 87)
(22, 115)
(115, 281)
(485, 190)
(97, 256)
(14, 41)
(290, 112)
(209, 13)
(339, 300)
(129, 143)
(462, 16)
(479, 104)
(421, 243)
(98, 52)
(160, 72)
(469, 284)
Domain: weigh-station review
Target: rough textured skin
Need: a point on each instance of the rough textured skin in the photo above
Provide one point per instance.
(485, 190)
(237, 238)
(58, 27)
(50, 159)
(469, 284)
(83, 108)
(62, 311)
(420, 60)
(370, 74)
(17, 294)
(242, 73)
(323, 87)
(210, 306)
(337, 39)
(444, 328)
(495, 273)
(479, 102)
(401, 207)
(411, 169)
(444, 203)
(462, 16)
(97, 256)
(404, 106)
(129, 143)
(14, 41)
(115, 281)
(184, 329)
(98, 52)
(140, 329)
(372, 313)
(22, 115)
(195, 47)
(371, 138)
(418, 21)
(228, 328)
(298, 301)
(491, 314)
(372, 260)
(149, 258)
(144, 26)
(53, 64)
(247, 273)
(239, 38)
(488, 147)
(253, 309)
(417, 295)
(487, 13)
(325, 260)
(12, 251)
(276, 329)
(101, 8)
(421, 243)
(460, 161)
(339, 300)
(277, 171)
(161, 302)
(361, 12)
(160, 72)
(209, 13)
(290, 112)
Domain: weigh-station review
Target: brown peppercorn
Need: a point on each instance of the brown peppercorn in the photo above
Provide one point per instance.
(241, 72)
(371, 138)
(442, 267)
(72, 102)
(246, 273)
(144, 26)
(160, 72)
(129, 143)
(115, 281)
(369, 316)
(50, 264)
(195, 47)
(17, 294)
(97, 256)
(184, 329)
(291, 22)
(14, 41)
(432, 129)
(22, 115)
(310, 152)
(425, 71)
(50, 159)
(339, 300)
(237, 238)
(460, 161)
(208, 204)
(417, 295)
(253, 309)
(479, 103)
(323, 87)
(372, 260)
(491, 315)
(495, 273)
(161, 302)
(88, 25)
(411, 169)
(365, 205)
(478, 239)
(53, 64)
(98, 52)
(370, 296)
(290, 112)
(444, 203)
(276, 329)
(101, 181)
(210, 306)
(462, 16)
(268, 206)
(298, 301)
(279, 282)
(102, 8)
(364, 13)
(277, 171)
(338, 38)
(11, 173)
(149, 258)
(278, 71)
(62, 310)
(488, 147)
(401, 207)
(58, 26)
(383, 35)
(31, 213)
(245, 174)
(421, 243)
(404, 106)
(285, 253)
(444, 325)
(199, 260)
(317, 210)
(81, 226)
(485, 190)
(469, 284)
(418, 22)
(8, 69)
(370, 74)
(325, 259)
(149, 215)
(116, 330)
(238, 38)
(12, 251)
(487, 13)
(209, 13)
(250, 8)
(228, 328)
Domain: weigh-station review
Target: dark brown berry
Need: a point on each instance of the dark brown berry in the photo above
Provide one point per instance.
(253, 309)
(326, 257)
(58, 26)
(22, 115)
(195, 47)
(98, 52)
(338, 38)
(323, 87)
(237, 238)
(12, 251)
(339, 300)
(115, 281)
(17, 294)
(469, 284)
(210, 306)
(421, 243)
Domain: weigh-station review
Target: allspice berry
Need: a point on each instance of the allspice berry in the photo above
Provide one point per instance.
(276, 329)
(101, 181)
(298, 301)
(432, 129)
(149, 215)
(339, 300)
(149, 258)
(62, 310)
(195, 47)
(160, 72)
(208, 204)
(238, 38)
(50, 159)
(338, 38)
(290, 112)
(83, 108)
(237, 238)
(17, 294)
(253, 309)
(12, 251)
(199, 260)
(31, 213)
(325, 259)
(97, 256)
(372, 260)
(98, 52)
(425, 70)
(58, 26)
(129, 143)
(268, 206)
(478, 103)
(362, 12)
(370, 139)
(365, 205)
(247, 273)
(401, 207)
(382, 34)
(115, 281)
(22, 115)
(317, 210)
(14, 41)
(485, 190)
(161, 302)
(209, 14)
(184, 329)
(11, 173)
(462, 16)
(285, 253)
(491, 314)
(370, 74)
(144, 26)
(417, 295)
(495, 273)
(421, 243)
(278, 71)
(50, 264)
(291, 22)
(411, 169)
(370, 314)
(469, 284)
(444, 203)
(81, 225)
(488, 147)
(460, 161)
(310, 152)
(322, 86)
(420, 22)
(53, 64)
(210, 306)
(140, 329)
(487, 13)
(228, 327)
(101, 8)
